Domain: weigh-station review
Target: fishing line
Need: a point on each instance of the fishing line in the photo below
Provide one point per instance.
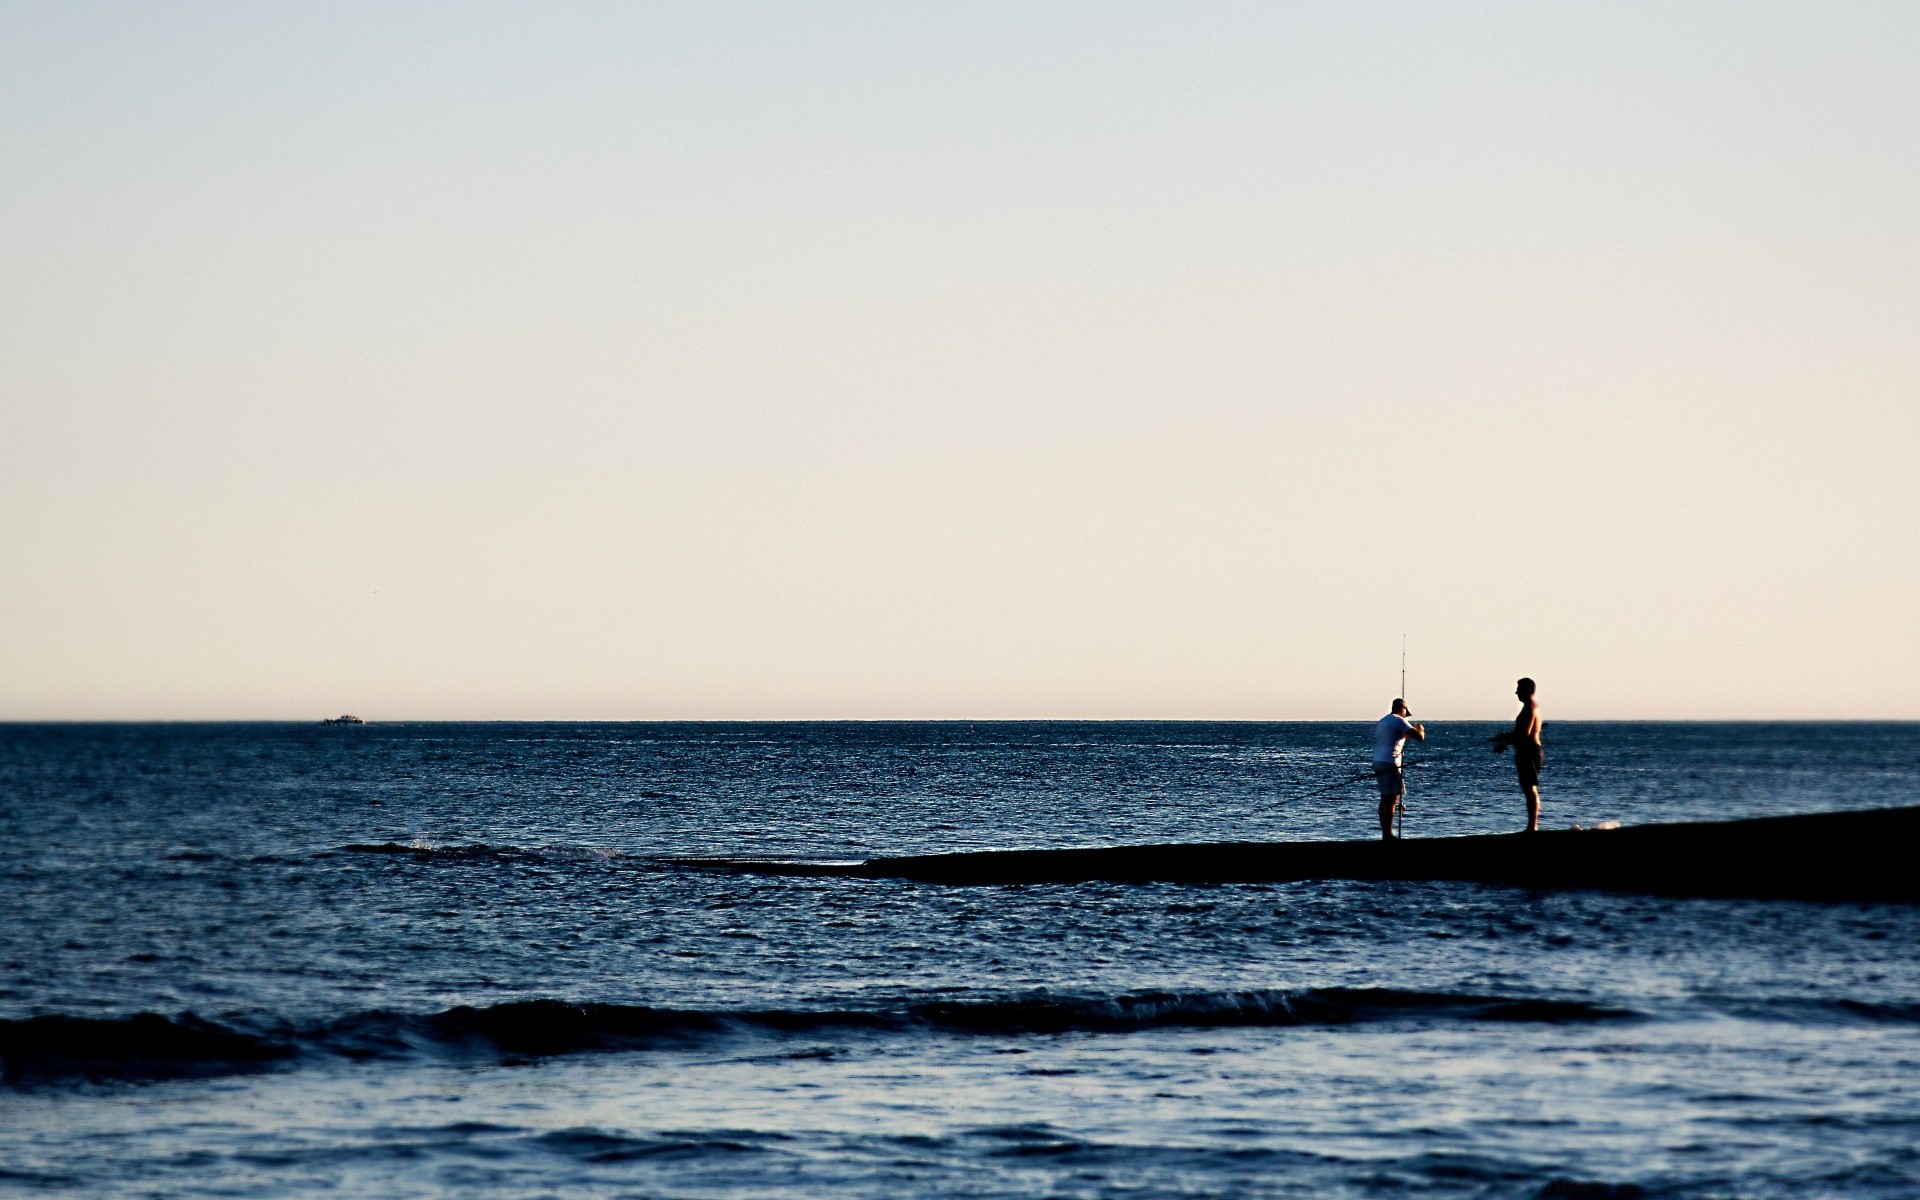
(1425, 760)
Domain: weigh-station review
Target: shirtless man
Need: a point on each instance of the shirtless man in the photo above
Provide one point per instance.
(1527, 752)
(1389, 735)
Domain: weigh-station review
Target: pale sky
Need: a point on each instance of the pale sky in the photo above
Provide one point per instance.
(971, 360)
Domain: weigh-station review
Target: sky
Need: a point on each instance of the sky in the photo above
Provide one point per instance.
(990, 360)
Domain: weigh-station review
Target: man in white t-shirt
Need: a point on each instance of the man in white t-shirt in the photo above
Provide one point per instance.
(1388, 737)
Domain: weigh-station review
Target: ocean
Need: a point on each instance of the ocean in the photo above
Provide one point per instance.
(412, 960)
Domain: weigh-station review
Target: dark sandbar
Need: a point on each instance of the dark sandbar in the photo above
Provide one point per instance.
(1858, 856)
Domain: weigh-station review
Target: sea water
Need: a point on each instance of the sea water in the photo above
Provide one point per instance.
(469, 960)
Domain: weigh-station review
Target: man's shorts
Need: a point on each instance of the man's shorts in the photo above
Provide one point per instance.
(1392, 780)
(1527, 766)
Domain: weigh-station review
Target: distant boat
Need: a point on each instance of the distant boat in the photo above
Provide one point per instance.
(343, 719)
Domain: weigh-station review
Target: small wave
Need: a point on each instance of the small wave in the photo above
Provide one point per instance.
(1578, 1189)
(424, 851)
(421, 850)
(427, 852)
(1817, 1011)
(142, 1047)
(540, 1028)
(598, 1146)
(151, 1046)
(1902, 1013)
(758, 864)
(1212, 1010)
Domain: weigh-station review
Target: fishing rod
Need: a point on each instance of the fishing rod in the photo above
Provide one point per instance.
(1400, 805)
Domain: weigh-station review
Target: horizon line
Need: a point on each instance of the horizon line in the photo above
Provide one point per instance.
(328, 721)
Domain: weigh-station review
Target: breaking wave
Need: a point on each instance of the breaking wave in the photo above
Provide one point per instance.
(151, 1046)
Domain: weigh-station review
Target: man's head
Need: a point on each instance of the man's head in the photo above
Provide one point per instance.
(1400, 708)
(1524, 689)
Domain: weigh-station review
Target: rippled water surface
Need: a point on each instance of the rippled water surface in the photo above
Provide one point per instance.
(419, 960)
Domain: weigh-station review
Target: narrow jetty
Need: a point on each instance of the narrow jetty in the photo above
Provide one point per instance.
(1848, 856)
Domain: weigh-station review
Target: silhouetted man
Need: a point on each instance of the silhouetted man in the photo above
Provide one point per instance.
(1527, 752)
(1389, 736)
